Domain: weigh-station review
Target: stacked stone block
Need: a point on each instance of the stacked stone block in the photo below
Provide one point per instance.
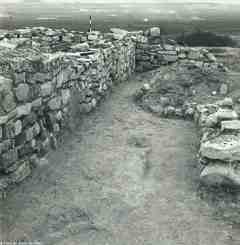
(151, 56)
(38, 92)
(219, 153)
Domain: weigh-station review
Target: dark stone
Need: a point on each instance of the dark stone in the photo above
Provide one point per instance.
(8, 158)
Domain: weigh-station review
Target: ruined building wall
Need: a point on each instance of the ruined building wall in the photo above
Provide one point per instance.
(47, 77)
(38, 92)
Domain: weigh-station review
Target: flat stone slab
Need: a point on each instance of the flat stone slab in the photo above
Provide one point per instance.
(233, 125)
(226, 114)
(224, 147)
(220, 175)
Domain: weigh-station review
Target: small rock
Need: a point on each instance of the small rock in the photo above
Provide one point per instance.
(146, 87)
(18, 127)
(179, 112)
(158, 109)
(24, 110)
(55, 103)
(169, 111)
(80, 47)
(227, 102)
(224, 89)
(211, 120)
(21, 173)
(164, 101)
(46, 89)
(22, 92)
(155, 32)
(211, 57)
(189, 112)
(66, 95)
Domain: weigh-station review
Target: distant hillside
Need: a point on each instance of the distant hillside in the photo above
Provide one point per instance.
(206, 38)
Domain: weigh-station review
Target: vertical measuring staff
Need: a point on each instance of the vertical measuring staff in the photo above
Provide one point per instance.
(90, 23)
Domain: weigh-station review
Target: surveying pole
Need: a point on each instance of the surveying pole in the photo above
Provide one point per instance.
(90, 23)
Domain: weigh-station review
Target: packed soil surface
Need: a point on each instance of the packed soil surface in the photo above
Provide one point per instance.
(124, 177)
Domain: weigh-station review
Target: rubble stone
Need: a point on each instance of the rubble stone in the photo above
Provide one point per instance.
(22, 92)
(155, 32)
(224, 147)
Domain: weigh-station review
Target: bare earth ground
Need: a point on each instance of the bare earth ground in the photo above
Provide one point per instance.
(125, 178)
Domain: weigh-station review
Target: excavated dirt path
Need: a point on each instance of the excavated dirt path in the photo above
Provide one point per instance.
(124, 178)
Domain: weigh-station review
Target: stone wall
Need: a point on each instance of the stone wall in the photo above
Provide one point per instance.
(40, 92)
(219, 153)
(47, 77)
(152, 51)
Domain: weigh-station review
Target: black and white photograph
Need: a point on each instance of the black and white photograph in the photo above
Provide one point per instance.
(119, 122)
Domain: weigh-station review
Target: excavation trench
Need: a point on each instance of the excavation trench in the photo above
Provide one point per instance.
(124, 177)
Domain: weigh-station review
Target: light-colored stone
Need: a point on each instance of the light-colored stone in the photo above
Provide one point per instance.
(46, 89)
(211, 57)
(21, 173)
(170, 58)
(226, 114)
(66, 95)
(219, 174)
(24, 110)
(3, 120)
(224, 147)
(155, 32)
(55, 103)
(211, 120)
(194, 55)
(80, 47)
(22, 92)
(146, 87)
(227, 102)
(37, 103)
(18, 127)
(230, 125)
(119, 34)
(224, 89)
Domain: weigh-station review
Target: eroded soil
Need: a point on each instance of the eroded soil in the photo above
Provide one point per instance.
(124, 177)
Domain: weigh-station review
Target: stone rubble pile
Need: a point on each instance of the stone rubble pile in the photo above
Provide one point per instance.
(177, 89)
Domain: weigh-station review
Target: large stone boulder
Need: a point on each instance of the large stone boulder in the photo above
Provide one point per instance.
(224, 148)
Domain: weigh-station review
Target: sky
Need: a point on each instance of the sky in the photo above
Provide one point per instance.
(115, 1)
(3, 2)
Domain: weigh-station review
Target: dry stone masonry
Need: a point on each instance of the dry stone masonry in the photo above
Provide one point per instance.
(219, 152)
(190, 91)
(45, 77)
(48, 77)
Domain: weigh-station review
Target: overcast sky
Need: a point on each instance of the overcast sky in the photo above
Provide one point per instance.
(121, 1)
(115, 1)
